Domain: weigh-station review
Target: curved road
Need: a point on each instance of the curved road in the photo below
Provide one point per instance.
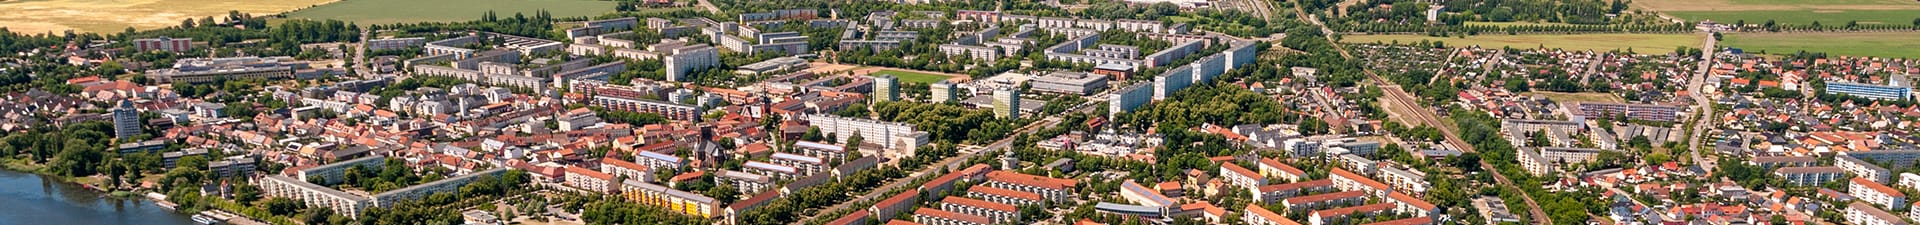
(1703, 101)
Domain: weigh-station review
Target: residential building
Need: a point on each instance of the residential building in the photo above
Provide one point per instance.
(1863, 169)
(1860, 213)
(1006, 103)
(1256, 215)
(1333, 216)
(886, 88)
(944, 92)
(622, 168)
(932, 216)
(1321, 201)
(1241, 176)
(1274, 193)
(1287, 173)
(890, 135)
(1053, 189)
(1871, 91)
(589, 180)
(204, 70)
(1810, 176)
(1876, 193)
(167, 44)
(1075, 83)
(1597, 110)
(997, 213)
(685, 60)
(126, 120)
(673, 200)
(892, 206)
(1349, 181)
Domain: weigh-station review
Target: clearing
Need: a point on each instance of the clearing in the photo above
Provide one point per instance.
(113, 16)
(1649, 43)
(1882, 44)
(368, 12)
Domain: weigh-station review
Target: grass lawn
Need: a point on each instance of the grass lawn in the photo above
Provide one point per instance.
(1887, 44)
(1642, 43)
(913, 77)
(1825, 17)
(366, 12)
(113, 16)
(1579, 97)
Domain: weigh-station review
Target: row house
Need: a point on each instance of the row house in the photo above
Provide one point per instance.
(1273, 193)
(1241, 176)
(1052, 189)
(1004, 196)
(1274, 168)
(996, 212)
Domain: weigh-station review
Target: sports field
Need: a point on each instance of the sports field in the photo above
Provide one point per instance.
(1642, 43)
(41, 16)
(913, 77)
(365, 12)
(1883, 44)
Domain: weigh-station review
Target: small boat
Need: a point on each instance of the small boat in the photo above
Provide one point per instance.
(204, 219)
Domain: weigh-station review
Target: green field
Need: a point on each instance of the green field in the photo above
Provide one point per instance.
(913, 77)
(1884, 44)
(365, 12)
(1825, 17)
(1642, 43)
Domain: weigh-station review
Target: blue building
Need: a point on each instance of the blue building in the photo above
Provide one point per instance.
(1871, 91)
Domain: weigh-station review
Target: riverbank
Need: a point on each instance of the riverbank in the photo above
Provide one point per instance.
(57, 201)
(90, 183)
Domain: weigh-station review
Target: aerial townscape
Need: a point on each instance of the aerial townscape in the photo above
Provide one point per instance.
(961, 112)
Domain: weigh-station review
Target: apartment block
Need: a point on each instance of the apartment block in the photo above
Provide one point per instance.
(1876, 193)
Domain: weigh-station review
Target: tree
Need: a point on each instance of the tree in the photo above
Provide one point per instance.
(282, 206)
(317, 215)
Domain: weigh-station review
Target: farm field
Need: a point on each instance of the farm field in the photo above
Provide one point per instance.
(1828, 12)
(1772, 5)
(912, 77)
(366, 12)
(1643, 43)
(1883, 44)
(41, 16)
(1827, 17)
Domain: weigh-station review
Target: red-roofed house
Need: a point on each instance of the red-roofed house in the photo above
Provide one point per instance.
(1255, 215)
(1053, 189)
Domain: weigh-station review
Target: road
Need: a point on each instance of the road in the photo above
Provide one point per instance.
(703, 4)
(1398, 96)
(949, 162)
(360, 66)
(1704, 101)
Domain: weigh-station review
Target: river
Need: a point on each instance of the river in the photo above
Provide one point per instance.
(27, 198)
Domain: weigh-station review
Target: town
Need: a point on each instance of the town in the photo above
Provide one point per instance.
(961, 113)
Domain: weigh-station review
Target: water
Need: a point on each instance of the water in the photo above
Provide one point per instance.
(27, 198)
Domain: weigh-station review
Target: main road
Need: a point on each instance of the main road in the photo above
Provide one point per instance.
(1703, 100)
(1398, 96)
